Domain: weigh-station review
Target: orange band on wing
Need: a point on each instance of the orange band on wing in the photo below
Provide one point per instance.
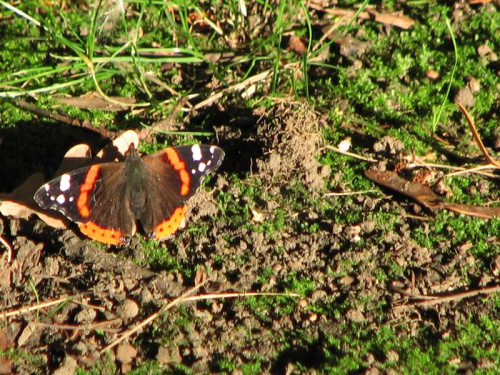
(98, 233)
(180, 166)
(170, 225)
(87, 186)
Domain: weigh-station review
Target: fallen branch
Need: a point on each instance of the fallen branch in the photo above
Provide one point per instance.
(23, 104)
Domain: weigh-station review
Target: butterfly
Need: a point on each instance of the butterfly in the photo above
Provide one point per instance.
(108, 200)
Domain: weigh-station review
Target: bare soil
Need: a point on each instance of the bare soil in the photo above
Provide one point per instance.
(110, 290)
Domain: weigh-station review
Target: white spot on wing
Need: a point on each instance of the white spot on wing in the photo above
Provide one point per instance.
(52, 198)
(193, 171)
(212, 149)
(71, 199)
(46, 187)
(60, 199)
(202, 167)
(196, 150)
(65, 182)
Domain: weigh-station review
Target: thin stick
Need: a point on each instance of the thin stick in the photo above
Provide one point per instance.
(152, 317)
(237, 295)
(189, 297)
(459, 170)
(84, 327)
(237, 87)
(38, 306)
(350, 193)
(476, 136)
(474, 170)
(8, 246)
(23, 104)
(433, 300)
(356, 156)
(45, 113)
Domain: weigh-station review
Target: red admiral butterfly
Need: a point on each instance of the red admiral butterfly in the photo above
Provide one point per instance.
(106, 200)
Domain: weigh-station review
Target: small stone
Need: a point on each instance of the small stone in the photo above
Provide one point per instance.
(167, 355)
(355, 315)
(392, 356)
(431, 74)
(474, 84)
(129, 309)
(465, 97)
(126, 353)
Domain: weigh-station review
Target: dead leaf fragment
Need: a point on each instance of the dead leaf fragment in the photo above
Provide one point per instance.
(28, 331)
(117, 149)
(355, 315)
(5, 281)
(351, 47)
(96, 101)
(415, 190)
(393, 19)
(20, 204)
(424, 195)
(298, 44)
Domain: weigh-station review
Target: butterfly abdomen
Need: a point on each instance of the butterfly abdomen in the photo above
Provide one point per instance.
(136, 176)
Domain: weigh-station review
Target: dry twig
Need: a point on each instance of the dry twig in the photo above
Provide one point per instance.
(37, 307)
(429, 300)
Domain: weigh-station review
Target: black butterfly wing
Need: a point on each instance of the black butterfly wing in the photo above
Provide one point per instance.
(174, 176)
(95, 197)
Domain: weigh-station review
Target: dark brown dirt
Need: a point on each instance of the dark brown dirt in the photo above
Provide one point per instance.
(108, 293)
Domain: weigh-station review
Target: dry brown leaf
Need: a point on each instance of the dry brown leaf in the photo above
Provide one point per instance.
(96, 101)
(20, 204)
(76, 157)
(424, 195)
(27, 332)
(398, 20)
(394, 19)
(118, 148)
(298, 44)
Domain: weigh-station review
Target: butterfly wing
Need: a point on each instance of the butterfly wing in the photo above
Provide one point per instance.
(175, 175)
(96, 198)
